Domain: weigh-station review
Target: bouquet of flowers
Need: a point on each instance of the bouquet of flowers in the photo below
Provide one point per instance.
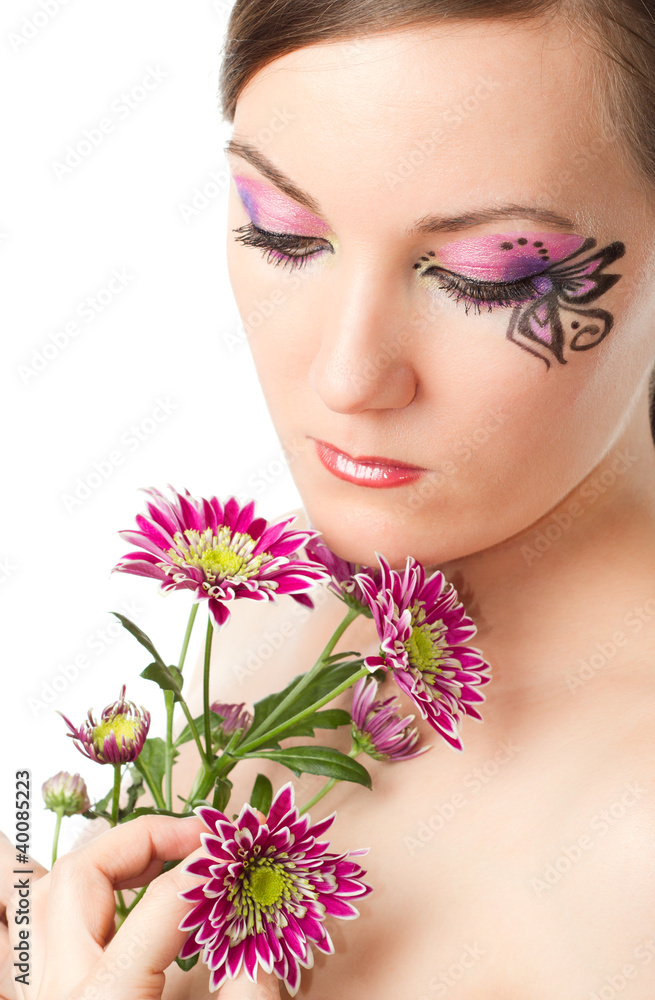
(269, 880)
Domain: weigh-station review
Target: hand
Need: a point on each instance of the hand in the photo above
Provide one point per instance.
(7, 879)
(75, 952)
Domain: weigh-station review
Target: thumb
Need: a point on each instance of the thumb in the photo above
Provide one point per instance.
(267, 987)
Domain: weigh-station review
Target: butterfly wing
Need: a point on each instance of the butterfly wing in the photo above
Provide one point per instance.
(537, 328)
(581, 281)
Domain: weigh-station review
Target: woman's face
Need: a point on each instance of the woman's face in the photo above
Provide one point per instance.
(477, 299)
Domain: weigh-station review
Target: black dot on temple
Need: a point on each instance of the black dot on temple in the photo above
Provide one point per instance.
(537, 244)
(522, 241)
(424, 257)
(545, 258)
(574, 326)
(544, 250)
(431, 253)
(416, 265)
(506, 246)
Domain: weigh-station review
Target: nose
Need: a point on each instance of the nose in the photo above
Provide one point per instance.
(363, 359)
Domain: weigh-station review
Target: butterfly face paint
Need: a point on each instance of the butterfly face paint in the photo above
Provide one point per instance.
(544, 276)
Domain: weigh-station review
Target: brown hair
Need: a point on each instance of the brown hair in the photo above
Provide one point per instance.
(620, 32)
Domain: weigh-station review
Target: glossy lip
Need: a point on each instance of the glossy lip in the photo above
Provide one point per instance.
(366, 470)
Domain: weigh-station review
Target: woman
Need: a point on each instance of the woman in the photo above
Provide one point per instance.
(460, 195)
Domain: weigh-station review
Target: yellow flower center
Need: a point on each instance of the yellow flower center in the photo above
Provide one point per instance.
(424, 649)
(221, 555)
(120, 725)
(265, 885)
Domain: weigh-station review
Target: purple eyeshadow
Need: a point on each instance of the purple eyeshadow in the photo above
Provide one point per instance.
(269, 209)
(506, 257)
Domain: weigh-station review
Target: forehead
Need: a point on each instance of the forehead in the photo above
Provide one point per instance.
(467, 112)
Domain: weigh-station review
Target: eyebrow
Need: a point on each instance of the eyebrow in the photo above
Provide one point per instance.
(427, 224)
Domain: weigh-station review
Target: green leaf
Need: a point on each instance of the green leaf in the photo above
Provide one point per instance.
(318, 760)
(136, 789)
(187, 963)
(101, 806)
(168, 678)
(330, 677)
(262, 794)
(331, 718)
(222, 792)
(140, 636)
(152, 811)
(215, 723)
(151, 762)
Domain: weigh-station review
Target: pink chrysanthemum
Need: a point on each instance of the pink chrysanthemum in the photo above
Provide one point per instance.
(377, 729)
(119, 736)
(424, 632)
(222, 552)
(343, 582)
(269, 887)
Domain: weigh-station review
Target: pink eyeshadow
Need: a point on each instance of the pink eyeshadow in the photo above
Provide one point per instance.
(508, 257)
(269, 209)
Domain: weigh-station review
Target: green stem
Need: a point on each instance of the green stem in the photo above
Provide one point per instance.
(154, 791)
(169, 698)
(253, 744)
(306, 678)
(205, 688)
(60, 813)
(354, 752)
(196, 735)
(187, 636)
(117, 792)
(136, 900)
(114, 821)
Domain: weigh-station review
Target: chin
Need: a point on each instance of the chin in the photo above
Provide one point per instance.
(357, 538)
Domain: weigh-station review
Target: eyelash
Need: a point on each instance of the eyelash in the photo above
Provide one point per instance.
(281, 248)
(494, 294)
(278, 247)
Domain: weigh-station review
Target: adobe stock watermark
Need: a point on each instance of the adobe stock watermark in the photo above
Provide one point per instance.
(613, 985)
(120, 109)
(33, 24)
(129, 442)
(264, 476)
(606, 649)
(600, 824)
(96, 642)
(270, 641)
(112, 970)
(88, 310)
(217, 182)
(473, 783)
(430, 484)
(439, 985)
(7, 569)
(587, 495)
(451, 119)
(264, 310)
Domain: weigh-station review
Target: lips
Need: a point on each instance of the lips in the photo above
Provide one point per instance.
(366, 470)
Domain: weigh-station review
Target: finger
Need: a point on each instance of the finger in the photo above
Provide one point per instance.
(150, 936)
(82, 887)
(7, 991)
(11, 870)
(267, 987)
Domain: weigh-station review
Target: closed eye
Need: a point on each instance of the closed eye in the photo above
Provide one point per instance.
(287, 249)
(494, 294)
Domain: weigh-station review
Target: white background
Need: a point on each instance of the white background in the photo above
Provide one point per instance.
(83, 426)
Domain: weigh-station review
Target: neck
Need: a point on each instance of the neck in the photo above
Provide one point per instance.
(567, 606)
